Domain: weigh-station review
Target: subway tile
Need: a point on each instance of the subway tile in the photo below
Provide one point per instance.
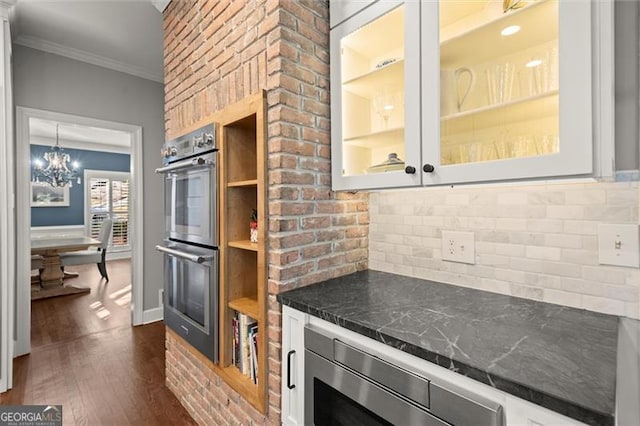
(563, 240)
(601, 304)
(604, 274)
(526, 291)
(526, 238)
(610, 214)
(588, 197)
(543, 253)
(510, 275)
(543, 280)
(583, 257)
(511, 224)
(457, 199)
(513, 198)
(492, 260)
(544, 225)
(560, 297)
(624, 197)
(456, 222)
(485, 247)
(566, 212)
(513, 250)
(582, 227)
(562, 269)
(526, 265)
(547, 198)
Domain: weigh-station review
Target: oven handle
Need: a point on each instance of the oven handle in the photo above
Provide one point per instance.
(183, 255)
(196, 162)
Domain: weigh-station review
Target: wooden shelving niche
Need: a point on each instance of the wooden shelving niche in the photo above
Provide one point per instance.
(243, 263)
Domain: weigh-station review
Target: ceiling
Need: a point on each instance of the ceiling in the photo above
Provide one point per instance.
(125, 35)
(43, 132)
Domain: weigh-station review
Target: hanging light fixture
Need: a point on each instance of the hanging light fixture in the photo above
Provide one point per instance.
(56, 171)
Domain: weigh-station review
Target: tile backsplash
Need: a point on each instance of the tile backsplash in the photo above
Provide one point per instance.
(538, 240)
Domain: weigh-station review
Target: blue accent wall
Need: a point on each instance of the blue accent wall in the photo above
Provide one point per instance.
(74, 214)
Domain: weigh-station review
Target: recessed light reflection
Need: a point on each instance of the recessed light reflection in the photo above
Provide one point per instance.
(511, 30)
(534, 63)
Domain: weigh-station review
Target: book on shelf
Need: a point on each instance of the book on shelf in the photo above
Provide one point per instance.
(241, 344)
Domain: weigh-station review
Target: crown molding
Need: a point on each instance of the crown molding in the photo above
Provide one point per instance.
(84, 56)
(161, 5)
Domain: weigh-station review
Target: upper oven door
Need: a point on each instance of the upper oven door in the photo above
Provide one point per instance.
(191, 200)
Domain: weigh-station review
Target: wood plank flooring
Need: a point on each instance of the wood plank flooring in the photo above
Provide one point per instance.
(87, 357)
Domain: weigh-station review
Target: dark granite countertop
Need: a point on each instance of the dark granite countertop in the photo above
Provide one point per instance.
(554, 356)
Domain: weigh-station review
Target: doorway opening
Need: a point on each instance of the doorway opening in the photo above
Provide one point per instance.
(92, 135)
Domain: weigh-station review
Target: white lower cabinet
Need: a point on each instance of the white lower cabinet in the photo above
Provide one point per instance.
(518, 412)
(292, 379)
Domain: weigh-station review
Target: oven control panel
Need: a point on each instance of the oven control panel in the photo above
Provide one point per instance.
(185, 146)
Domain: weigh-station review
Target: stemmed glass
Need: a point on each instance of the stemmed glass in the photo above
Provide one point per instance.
(384, 104)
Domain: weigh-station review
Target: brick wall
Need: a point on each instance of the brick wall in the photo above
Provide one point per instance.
(217, 53)
(537, 241)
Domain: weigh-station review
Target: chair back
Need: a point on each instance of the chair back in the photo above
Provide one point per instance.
(105, 232)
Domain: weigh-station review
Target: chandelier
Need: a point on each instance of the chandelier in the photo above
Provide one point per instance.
(56, 171)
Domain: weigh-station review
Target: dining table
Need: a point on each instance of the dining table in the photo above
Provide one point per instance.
(52, 276)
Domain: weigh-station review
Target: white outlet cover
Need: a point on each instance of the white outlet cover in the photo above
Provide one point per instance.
(459, 246)
(619, 245)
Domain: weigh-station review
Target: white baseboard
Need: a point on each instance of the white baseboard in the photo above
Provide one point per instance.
(152, 315)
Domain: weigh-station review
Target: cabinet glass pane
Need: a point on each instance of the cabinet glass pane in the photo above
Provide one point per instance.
(499, 80)
(373, 118)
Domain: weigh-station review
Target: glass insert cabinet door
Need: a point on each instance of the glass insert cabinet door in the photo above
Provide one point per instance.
(376, 97)
(514, 89)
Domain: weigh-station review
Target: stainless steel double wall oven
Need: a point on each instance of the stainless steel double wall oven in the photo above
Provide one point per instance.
(191, 238)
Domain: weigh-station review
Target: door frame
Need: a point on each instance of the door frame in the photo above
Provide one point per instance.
(23, 212)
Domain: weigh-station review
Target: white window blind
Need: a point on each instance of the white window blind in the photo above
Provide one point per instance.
(108, 197)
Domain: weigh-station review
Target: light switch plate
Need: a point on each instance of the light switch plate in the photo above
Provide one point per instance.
(459, 246)
(619, 245)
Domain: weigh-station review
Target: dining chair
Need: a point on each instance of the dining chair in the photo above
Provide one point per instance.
(36, 264)
(84, 257)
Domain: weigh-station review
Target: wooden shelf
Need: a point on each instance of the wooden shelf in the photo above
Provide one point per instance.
(476, 38)
(244, 245)
(243, 183)
(246, 306)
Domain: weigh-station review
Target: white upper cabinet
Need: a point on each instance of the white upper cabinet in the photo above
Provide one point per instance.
(461, 91)
(375, 97)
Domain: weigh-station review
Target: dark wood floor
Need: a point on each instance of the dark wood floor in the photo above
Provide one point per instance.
(86, 356)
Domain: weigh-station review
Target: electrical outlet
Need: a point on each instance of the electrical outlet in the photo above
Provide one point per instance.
(619, 245)
(459, 246)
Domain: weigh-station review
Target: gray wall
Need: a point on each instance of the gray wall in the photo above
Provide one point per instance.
(626, 38)
(55, 83)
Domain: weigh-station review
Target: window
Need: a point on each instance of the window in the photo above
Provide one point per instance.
(108, 197)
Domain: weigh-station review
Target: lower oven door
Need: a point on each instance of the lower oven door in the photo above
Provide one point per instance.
(335, 395)
(191, 295)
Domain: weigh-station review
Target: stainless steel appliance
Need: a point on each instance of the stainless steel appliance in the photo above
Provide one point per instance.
(345, 385)
(190, 251)
(190, 189)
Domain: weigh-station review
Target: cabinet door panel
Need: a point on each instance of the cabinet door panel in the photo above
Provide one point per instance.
(375, 106)
(514, 86)
(292, 377)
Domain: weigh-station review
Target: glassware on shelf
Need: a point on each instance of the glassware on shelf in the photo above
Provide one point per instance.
(390, 164)
(385, 104)
(455, 86)
(500, 82)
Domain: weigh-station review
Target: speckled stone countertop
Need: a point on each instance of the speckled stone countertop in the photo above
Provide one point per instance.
(557, 357)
